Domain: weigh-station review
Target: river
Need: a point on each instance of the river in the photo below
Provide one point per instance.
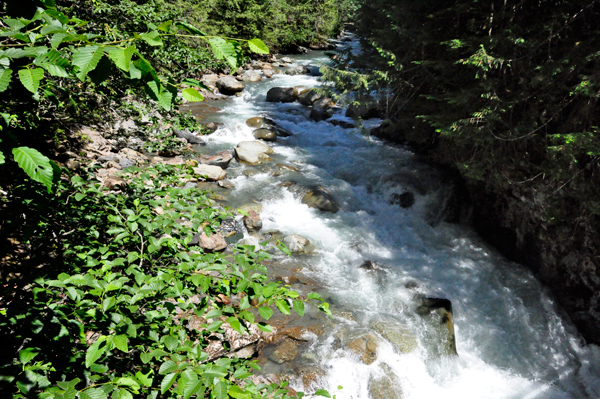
(512, 339)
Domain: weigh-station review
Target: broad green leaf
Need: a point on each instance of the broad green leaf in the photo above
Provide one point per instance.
(221, 389)
(189, 27)
(167, 367)
(27, 354)
(49, 29)
(2, 159)
(36, 165)
(152, 38)
(54, 63)
(264, 327)
(57, 39)
(167, 382)
(224, 50)
(93, 393)
(265, 312)
(120, 342)
(194, 82)
(145, 379)
(283, 306)
(95, 351)
(5, 77)
(171, 343)
(123, 394)
(257, 46)
(213, 313)
(161, 95)
(86, 59)
(122, 57)
(108, 303)
(55, 70)
(31, 78)
(235, 324)
(322, 392)
(299, 307)
(165, 26)
(127, 382)
(238, 393)
(192, 95)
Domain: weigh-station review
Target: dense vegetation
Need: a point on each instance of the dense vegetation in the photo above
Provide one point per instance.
(505, 92)
(99, 288)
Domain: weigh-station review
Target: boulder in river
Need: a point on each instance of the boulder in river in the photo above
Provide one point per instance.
(211, 127)
(386, 386)
(298, 70)
(265, 134)
(210, 172)
(320, 199)
(365, 347)
(298, 244)
(251, 76)
(268, 73)
(222, 159)
(282, 95)
(252, 222)
(253, 152)
(397, 334)
(439, 310)
(322, 109)
(259, 122)
(252, 206)
(362, 111)
(188, 136)
(308, 97)
(229, 85)
(288, 350)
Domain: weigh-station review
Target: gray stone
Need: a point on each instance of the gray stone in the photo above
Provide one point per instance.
(320, 199)
(298, 70)
(210, 172)
(322, 109)
(253, 152)
(265, 134)
(251, 76)
(285, 352)
(252, 222)
(252, 206)
(308, 97)
(260, 122)
(222, 159)
(397, 334)
(188, 136)
(229, 85)
(386, 386)
(282, 95)
(251, 241)
(298, 244)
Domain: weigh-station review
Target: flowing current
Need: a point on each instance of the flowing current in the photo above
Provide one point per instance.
(512, 339)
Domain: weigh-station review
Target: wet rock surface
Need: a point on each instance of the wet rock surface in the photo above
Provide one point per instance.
(253, 152)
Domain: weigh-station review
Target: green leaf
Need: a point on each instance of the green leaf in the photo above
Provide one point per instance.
(120, 342)
(238, 393)
(165, 26)
(2, 159)
(122, 57)
(108, 303)
(299, 307)
(26, 355)
(257, 46)
(93, 393)
(322, 392)
(283, 306)
(160, 94)
(247, 315)
(221, 389)
(87, 59)
(145, 379)
(189, 27)
(223, 49)
(127, 382)
(36, 165)
(5, 77)
(95, 351)
(167, 382)
(57, 39)
(235, 324)
(123, 394)
(192, 95)
(264, 327)
(152, 38)
(31, 78)
(171, 343)
(167, 367)
(265, 312)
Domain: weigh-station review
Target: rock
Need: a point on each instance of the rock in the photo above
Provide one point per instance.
(362, 111)
(287, 60)
(386, 386)
(210, 79)
(134, 156)
(251, 207)
(308, 97)
(210, 172)
(211, 127)
(405, 200)
(188, 136)
(265, 134)
(343, 124)
(255, 64)
(368, 265)
(398, 335)
(318, 198)
(312, 377)
(298, 244)
(253, 152)
(298, 70)
(251, 241)
(440, 310)
(285, 352)
(365, 347)
(268, 73)
(252, 222)
(388, 131)
(301, 50)
(214, 243)
(322, 109)
(280, 168)
(282, 95)
(72, 164)
(222, 159)
(251, 172)
(251, 76)
(225, 184)
(260, 122)
(229, 85)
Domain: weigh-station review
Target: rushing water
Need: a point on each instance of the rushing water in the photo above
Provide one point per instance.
(512, 339)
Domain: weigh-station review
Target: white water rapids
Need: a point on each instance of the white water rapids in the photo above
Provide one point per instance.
(512, 339)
